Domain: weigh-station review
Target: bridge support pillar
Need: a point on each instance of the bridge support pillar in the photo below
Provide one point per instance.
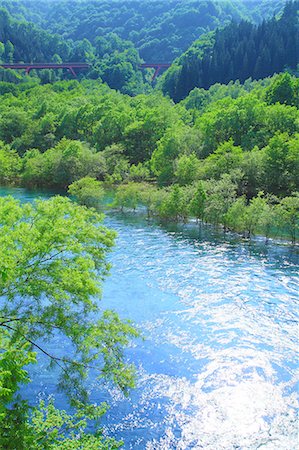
(72, 71)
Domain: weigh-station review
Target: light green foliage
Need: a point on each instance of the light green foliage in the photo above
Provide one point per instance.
(54, 429)
(220, 196)
(13, 124)
(175, 142)
(261, 215)
(288, 211)
(52, 263)
(150, 197)
(269, 217)
(280, 164)
(126, 196)
(162, 161)
(68, 161)
(87, 191)
(10, 164)
(247, 121)
(256, 211)
(139, 172)
(292, 164)
(253, 172)
(237, 132)
(284, 89)
(117, 163)
(235, 216)
(186, 171)
(174, 204)
(227, 157)
(198, 201)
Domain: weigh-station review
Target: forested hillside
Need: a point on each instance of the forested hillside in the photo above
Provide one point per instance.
(160, 31)
(238, 51)
(236, 141)
(115, 37)
(112, 59)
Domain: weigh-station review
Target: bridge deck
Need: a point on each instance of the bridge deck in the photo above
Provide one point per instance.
(72, 66)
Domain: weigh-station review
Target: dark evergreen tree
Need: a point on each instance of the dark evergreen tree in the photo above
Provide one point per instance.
(238, 51)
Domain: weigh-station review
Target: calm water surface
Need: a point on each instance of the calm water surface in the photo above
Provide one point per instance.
(218, 367)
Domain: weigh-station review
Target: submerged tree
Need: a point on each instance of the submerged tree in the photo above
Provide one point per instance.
(88, 191)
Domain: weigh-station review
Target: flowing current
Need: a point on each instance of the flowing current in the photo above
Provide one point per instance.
(217, 369)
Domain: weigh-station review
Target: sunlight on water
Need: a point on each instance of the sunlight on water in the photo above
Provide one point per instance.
(217, 369)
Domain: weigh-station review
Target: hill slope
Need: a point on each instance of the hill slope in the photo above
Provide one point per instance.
(160, 30)
(238, 51)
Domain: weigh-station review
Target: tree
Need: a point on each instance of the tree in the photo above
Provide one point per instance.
(10, 164)
(197, 203)
(226, 158)
(284, 89)
(288, 212)
(220, 196)
(52, 263)
(236, 214)
(186, 170)
(9, 52)
(174, 204)
(275, 164)
(88, 191)
(63, 164)
(126, 196)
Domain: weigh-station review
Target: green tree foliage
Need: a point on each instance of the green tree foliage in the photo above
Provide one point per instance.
(280, 164)
(285, 90)
(174, 204)
(139, 172)
(87, 191)
(247, 120)
(53, 259)
(70, 130)
(10, 165)
(197, 202)
(51, 429)
(116, 62)
(220, 196)
(175, 142)
(226, 158)
(160, 31)
(67, 162)
(289, 215)
(126, 196)
(186, 171)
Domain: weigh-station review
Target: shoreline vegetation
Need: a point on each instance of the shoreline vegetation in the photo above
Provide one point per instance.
(228, 155)
(264, 217)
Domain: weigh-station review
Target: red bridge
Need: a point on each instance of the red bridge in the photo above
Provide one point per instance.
(71, 66)
(157, 66)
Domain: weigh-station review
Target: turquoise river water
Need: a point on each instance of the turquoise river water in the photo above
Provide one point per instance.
(217, 369)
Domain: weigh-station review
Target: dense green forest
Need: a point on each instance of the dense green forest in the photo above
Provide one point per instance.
(240, 138)
(237, 52)
(160, 31)
(114, 40)
(112, 59)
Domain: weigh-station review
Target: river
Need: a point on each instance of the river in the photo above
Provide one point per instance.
(217, 369)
